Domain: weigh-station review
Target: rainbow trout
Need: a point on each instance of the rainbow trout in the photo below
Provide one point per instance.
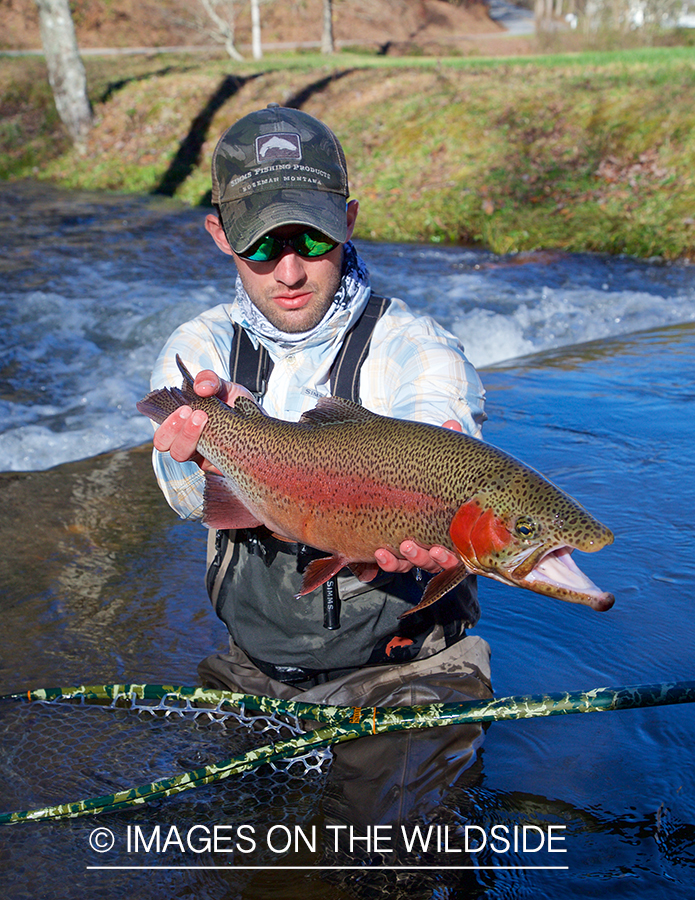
(347, 481)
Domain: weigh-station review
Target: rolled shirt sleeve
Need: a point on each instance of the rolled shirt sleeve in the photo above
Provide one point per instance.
(203, 343)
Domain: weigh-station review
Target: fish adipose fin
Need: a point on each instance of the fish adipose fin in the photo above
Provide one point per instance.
(222, 508)
(247, 407)
(441, 584)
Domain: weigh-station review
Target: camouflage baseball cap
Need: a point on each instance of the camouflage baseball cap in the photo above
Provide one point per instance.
(279, 166)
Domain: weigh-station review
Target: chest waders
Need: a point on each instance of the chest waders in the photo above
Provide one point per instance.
(252, 366)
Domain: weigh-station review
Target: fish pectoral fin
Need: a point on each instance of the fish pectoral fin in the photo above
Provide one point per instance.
(221, 506)
(441, 584)
(319, 571)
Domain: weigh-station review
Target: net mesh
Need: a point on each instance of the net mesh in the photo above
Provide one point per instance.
(207, 749)
(50, 751)
(61, 750)
(57, 751)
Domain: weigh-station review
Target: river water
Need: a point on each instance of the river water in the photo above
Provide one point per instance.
(589, 366)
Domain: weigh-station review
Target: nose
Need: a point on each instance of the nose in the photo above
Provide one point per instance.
(289, 268)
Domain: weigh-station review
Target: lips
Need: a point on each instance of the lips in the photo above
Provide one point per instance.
(298, 301)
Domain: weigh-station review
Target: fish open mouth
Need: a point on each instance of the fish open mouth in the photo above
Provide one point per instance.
(557, 575)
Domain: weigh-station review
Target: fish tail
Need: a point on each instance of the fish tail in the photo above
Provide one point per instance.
(159, 404)
(162, 403)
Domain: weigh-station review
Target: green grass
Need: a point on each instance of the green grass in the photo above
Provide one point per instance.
(581, 151)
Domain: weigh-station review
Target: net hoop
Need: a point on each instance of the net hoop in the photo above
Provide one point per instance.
(336, 724)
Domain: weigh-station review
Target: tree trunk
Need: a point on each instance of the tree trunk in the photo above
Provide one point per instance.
(541, 15)
(256, 47)
(66, 73)
(327, 42)
(224, 24)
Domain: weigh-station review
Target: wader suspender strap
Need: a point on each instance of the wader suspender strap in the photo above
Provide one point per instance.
(251, 366)
(345, 373)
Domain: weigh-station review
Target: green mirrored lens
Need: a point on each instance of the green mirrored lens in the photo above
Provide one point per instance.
(312, 243)
(267, 248)
(309, 243)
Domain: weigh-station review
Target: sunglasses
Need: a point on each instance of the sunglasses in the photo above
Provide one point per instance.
(309, 243)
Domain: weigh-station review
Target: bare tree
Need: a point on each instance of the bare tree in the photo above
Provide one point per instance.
(66, 73)
(616, 15)
(256, 46)
(222, 14)
(327, 42)
(543, 10)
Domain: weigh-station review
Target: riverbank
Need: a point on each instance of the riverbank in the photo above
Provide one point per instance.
(581, 152)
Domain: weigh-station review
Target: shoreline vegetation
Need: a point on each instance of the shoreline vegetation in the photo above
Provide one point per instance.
(581, 152)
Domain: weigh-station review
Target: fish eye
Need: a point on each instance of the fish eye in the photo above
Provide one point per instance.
(525, 527)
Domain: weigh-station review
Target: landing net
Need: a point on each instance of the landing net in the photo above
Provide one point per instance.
(68, 742)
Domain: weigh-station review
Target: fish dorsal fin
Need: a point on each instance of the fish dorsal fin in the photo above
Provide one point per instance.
(247, 407)
(335, 411)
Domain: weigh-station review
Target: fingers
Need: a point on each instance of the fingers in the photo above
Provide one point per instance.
(391, 563)
(180, 432)
(235, 390)
(433, 560)
(444, 558)
(414, 556)
(207, 466)
(453, 425)
(207, 384)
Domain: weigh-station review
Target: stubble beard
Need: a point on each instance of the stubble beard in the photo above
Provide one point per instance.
(296, 321)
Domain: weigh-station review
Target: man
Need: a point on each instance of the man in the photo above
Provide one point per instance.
(303, 300)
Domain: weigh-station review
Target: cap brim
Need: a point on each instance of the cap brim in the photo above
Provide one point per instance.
(247, 220)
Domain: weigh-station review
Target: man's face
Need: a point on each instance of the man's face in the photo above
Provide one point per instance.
(293, 292)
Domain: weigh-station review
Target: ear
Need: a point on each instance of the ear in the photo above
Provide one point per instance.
(214, 228)
(352, 210)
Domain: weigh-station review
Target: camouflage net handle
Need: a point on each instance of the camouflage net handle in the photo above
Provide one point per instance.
(339, 724)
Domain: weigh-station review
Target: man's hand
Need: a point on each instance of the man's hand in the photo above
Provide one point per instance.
(180, 432)
(433, 560)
